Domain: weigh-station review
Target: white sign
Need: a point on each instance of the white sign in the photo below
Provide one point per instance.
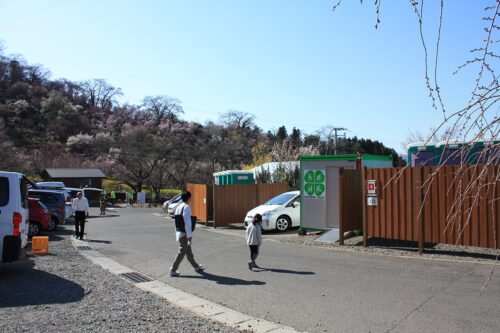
(372, 187)
(371, 201)
(141, 197)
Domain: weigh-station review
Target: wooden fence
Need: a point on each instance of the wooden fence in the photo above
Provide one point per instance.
(232, 202)
(201, 201)
(448, 204)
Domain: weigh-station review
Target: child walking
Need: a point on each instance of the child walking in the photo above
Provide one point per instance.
(254, 239)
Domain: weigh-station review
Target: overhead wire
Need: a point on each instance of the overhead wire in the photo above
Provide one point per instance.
(32, 12)
(6, 3)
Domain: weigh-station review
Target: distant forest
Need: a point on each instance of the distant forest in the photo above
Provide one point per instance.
(60, 123)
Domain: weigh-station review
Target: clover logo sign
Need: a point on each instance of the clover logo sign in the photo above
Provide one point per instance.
(314, 183)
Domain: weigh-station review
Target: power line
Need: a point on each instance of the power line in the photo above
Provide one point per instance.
(7, 3)
(32, 12)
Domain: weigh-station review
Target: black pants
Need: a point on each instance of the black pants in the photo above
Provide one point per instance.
(254, 252)
(79, 224)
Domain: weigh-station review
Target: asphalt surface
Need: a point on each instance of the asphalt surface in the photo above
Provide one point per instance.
(62, 291)
(310, 289)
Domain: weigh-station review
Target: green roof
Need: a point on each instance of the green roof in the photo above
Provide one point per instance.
(345, 157)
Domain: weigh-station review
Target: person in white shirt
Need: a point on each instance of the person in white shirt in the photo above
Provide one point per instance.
(81, 207)
(184, 236)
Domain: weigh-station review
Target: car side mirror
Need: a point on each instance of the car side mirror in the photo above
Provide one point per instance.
(296, 204)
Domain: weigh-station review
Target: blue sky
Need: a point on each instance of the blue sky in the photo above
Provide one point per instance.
(292, 63)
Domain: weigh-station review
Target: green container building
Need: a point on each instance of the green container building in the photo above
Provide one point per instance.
(319, 186)
(420, 153)
(233, 177)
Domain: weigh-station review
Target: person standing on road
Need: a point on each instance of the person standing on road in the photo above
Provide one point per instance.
(113, 197)
(254, 239)
(153, 197)
(184, 236)
(102, 203)
(81, 207)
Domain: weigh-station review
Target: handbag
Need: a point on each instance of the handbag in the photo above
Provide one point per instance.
(179, 222)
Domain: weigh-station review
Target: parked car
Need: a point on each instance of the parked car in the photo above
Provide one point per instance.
(281, 212)
(14, 223)
(50, 184)
(92, 194)
(56, 202)
(73, 191)
(168, 202)
(39, 217)
(60, 187)
(172, 206)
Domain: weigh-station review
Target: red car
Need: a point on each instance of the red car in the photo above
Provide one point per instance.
(40, 218)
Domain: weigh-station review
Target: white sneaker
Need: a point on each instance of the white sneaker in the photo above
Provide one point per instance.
(174, 273)
(199, 269)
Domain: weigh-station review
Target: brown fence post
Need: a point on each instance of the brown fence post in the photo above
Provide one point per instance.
(364, 216)
(215, 202)
(418, 207)
(341, 203)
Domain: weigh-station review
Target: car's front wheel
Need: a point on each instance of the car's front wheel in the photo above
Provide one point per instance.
(283, 223)
(34, 229)
(53, 224)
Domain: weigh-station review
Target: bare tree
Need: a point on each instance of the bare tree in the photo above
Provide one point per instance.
(238, 119)
(100, 93)
(162, 107)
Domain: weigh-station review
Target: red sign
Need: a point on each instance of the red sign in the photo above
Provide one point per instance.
(372, 189)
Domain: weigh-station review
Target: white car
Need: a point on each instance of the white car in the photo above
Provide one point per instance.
(173, 206)
(166, 204)
(14, 216)
(281, 212)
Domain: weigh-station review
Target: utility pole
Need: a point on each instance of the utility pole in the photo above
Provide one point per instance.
(335, 142)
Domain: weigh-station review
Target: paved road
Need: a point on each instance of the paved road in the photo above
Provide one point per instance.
(312, 289)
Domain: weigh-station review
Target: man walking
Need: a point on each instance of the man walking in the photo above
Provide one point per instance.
(184, 236)
(81, 207)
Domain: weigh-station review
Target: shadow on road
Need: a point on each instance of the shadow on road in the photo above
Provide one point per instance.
(22, 285)
(277, 270)
(227, 280)
(92, 217)
(58, 234)
(99, 241)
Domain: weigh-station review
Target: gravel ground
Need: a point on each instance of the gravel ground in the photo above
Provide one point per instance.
(400, 248)
(64, 292)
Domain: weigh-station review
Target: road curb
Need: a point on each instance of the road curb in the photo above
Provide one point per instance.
(195, 304)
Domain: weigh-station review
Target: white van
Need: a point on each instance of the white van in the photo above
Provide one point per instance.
(14, 218)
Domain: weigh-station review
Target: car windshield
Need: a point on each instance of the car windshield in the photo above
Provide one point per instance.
(280, 199)
(43, 206)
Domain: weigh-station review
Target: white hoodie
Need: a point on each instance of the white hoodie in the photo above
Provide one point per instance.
(254, 234)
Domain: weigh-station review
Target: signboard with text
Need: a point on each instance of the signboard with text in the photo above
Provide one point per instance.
(141, 197)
